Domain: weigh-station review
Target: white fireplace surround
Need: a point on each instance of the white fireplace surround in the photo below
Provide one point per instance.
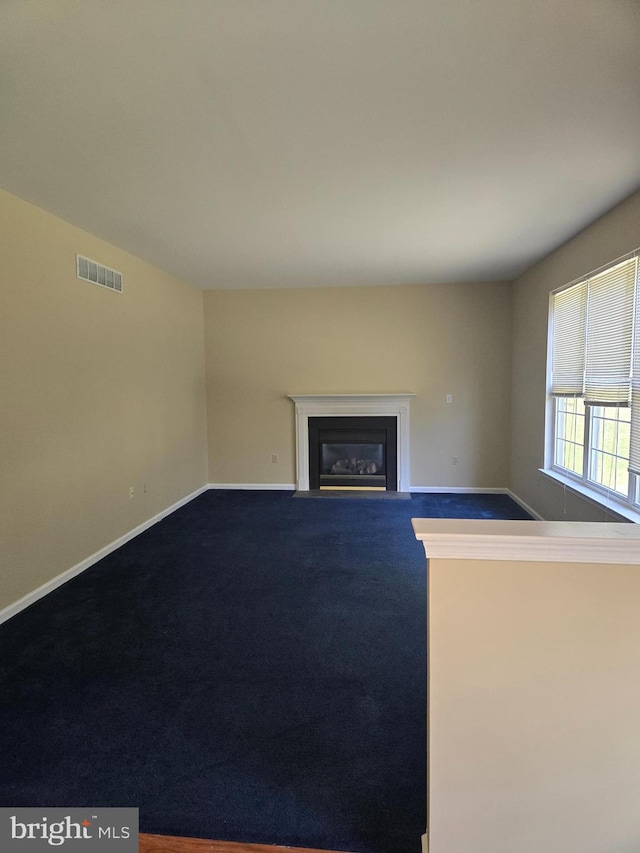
(349, 405)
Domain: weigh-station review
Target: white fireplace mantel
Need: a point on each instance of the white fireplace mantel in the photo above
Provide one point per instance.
(337, 405)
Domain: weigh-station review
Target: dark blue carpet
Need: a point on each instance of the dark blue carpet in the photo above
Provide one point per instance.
(252, 668)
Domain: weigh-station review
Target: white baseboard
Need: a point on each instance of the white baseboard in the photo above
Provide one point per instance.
(458, 490)
(269, 487)
(31, 597)
(423, 489)
(524, 505)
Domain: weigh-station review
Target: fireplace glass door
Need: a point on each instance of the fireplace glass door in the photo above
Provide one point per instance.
(352, 453)
(344, 462)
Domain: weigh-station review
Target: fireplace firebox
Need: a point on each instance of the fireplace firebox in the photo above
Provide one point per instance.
(353, 453)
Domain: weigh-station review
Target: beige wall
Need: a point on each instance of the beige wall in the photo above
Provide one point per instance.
(99, 391)
(102, 391)
(534, 697)
(615, 234)
(431, 340)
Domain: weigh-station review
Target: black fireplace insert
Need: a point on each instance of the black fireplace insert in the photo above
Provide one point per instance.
(353, 452)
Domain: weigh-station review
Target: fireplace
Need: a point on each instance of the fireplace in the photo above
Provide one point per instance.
(353, 453)
(350, 453)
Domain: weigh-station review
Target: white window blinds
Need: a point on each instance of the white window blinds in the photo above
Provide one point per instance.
(609, 335)
(634, 444)
(569, 316)
(592, 337)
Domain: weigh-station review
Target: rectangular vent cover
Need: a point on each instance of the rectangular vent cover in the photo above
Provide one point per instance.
(91, 271)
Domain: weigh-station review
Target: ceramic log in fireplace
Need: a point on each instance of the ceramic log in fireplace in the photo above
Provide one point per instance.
(353, 453)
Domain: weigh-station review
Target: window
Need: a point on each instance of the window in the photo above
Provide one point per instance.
(569, 437)
(609, 448)
(594, 388)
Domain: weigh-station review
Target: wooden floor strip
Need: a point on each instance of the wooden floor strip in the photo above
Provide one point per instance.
(177, 844)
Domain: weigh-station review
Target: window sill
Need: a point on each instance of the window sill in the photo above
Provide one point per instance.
(593, 496)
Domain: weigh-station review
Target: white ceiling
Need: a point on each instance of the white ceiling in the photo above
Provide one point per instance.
(277, 143)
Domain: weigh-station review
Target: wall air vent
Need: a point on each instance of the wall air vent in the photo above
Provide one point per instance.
(91, 271)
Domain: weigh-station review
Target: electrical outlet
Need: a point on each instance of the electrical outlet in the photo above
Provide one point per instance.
(274, 457)
(144, 488)
(131, 493)
(454, 460)
(449, 398)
